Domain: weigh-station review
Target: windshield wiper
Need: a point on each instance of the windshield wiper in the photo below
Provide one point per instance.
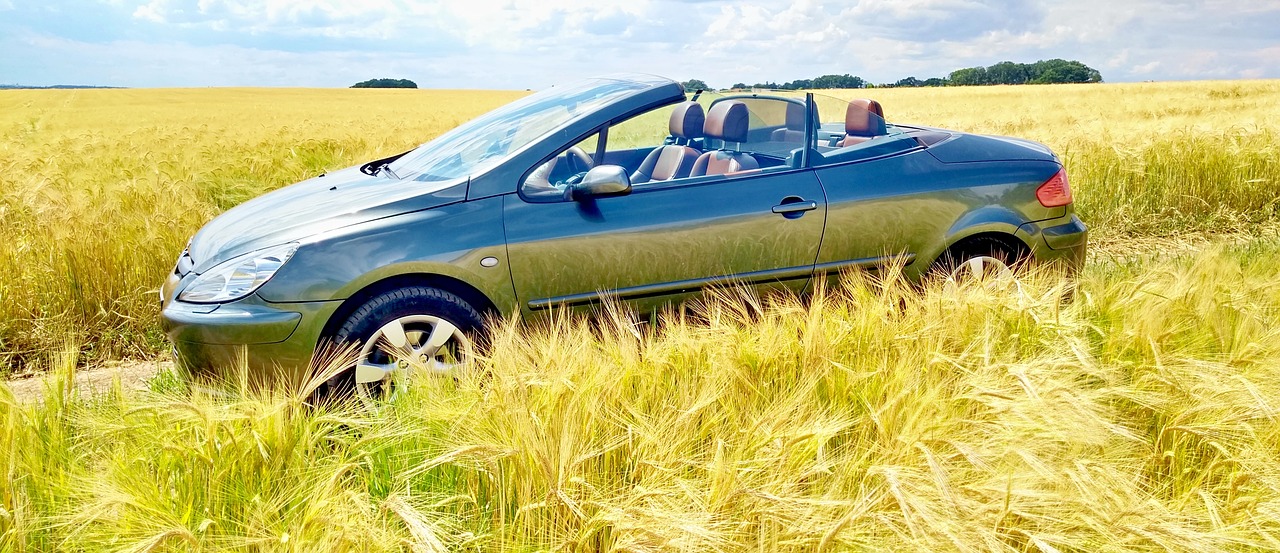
(376, 165)
(386, 168)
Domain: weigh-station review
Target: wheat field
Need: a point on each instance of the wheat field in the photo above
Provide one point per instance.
(1141, 415)
(100, 189)
(1150, 159)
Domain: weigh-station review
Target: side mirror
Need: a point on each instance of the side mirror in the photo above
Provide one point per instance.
(602, 181)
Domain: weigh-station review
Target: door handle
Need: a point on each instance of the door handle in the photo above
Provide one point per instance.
(795, 207)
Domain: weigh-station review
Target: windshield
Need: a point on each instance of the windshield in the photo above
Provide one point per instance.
(479, 144)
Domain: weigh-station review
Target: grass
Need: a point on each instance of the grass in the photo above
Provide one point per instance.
(100, 189)
(1139, 417)
(1144, 158)
(99, 192)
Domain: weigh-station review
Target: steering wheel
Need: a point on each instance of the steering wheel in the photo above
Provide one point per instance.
(579, 163)
(578, 160)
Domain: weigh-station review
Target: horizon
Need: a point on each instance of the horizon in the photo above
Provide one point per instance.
(64, 86)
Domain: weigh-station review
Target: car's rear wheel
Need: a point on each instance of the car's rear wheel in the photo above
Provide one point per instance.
(405, 333)
(984, 263)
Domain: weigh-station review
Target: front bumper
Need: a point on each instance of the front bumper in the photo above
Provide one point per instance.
(212, 341)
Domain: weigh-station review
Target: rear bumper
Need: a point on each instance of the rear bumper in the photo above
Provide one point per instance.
(1069, 235)
(1063, 240)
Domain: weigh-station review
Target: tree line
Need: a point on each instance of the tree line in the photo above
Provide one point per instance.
(1041, 72)
(386, 83)
(1052, 71)
(825, 81)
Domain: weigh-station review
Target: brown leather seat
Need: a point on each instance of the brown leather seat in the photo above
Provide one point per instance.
(728, 121)
(674, 161)
(863, 120)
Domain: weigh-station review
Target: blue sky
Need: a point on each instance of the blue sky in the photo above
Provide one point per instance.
(535, 43)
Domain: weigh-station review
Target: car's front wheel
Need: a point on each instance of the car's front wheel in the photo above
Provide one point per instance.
(406, 332)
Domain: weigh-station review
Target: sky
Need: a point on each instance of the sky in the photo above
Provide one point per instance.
(533, 44)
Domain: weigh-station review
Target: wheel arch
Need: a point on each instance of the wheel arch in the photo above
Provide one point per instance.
(470, 294)
(1009, 240)
(995, 222)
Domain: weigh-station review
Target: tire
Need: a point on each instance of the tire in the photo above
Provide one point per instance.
(403, 331)
(983, 261)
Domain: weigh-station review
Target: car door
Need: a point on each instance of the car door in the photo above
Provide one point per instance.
(882, 207)
(884, 204)
(665, 241)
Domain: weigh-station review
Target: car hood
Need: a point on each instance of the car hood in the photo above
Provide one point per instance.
(324, 203)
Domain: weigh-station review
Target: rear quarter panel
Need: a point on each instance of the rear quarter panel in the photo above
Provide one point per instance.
(914, 203)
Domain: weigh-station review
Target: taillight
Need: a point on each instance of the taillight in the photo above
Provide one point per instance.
(1056, 191)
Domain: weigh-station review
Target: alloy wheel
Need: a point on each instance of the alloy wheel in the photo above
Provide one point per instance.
(983, 272)
(403, 347)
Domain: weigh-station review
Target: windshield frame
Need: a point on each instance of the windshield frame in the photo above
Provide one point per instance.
(498, 135)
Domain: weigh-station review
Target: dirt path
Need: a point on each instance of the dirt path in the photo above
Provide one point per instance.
(1135, 248)
(89, 380)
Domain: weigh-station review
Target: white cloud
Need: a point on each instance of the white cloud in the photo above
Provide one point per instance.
(1269, 55)
(535, 43)
(376, 18)
(1145, 69)
(502, 24)
(1120, 59)
(147, 64)
(154, 11)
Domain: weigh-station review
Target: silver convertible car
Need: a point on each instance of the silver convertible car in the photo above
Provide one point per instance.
(625, 186)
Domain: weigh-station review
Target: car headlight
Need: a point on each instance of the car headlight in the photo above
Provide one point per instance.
(239, 276)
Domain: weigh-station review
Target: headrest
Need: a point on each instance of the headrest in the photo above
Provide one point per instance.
(864, 118)
(687, 120)
(728, 120)
(795, 116)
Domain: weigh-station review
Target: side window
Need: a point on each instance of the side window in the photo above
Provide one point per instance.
(753, 133)
(649, 129)
(626, 144)
(776, 125)
(734, 137)
(550, 180)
